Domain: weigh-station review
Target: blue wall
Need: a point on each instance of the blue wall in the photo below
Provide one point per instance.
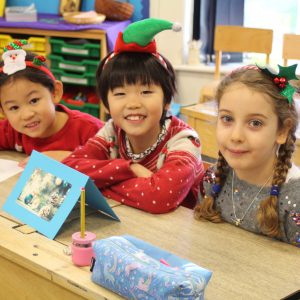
(42, 6)
(141, 7)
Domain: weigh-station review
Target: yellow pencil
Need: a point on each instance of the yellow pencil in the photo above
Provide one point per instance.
(82, 213)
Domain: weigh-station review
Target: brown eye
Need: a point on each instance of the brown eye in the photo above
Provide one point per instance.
(226, 119)
(255, 123)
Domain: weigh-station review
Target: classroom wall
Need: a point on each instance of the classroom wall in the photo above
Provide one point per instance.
(175, 46)
(169, 43)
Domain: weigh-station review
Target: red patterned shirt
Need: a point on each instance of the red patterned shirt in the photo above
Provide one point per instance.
(176, 165)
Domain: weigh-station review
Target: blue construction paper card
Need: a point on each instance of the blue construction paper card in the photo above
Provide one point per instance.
(47, 191)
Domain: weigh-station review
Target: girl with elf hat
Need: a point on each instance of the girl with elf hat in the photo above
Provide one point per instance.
(29, 97)
(254, 184)
(142, 157)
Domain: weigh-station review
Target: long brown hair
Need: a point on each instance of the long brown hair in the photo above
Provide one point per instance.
(267, 215)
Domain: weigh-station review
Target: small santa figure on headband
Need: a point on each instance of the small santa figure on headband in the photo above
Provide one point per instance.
(14, 57)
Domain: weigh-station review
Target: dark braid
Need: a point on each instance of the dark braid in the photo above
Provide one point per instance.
(206, 208)
(222, 167)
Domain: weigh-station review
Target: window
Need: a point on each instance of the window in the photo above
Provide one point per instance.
(281, 16)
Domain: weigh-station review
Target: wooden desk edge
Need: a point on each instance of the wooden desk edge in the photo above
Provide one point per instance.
(49, 262)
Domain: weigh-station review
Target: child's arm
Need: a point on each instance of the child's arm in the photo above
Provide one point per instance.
(179, 172)
(140, 171)
(93, 159)
(164, 190)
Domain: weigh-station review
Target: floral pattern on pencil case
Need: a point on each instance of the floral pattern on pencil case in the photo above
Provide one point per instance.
(128, 271)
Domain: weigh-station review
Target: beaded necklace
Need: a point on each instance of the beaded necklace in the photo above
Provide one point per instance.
(149, 150)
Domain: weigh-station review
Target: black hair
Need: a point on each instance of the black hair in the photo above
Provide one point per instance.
(132, 68)
(31, 74)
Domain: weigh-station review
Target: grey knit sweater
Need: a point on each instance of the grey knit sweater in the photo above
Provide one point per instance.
(244, 193)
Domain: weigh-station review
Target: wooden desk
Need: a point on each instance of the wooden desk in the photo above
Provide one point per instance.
(95, 34)
(244, 265)
(202, 117)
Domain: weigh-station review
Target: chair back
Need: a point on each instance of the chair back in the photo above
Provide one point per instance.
(241, 39)
(291, 46)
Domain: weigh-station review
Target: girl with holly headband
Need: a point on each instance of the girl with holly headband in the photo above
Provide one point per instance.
(29, 97)
(142, 157)
(254, 184)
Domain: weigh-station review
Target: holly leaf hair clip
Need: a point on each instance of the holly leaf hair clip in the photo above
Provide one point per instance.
(281, 80)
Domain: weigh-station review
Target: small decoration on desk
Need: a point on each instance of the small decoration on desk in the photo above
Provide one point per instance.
(21, 13)
(88, 17)
(82, 242)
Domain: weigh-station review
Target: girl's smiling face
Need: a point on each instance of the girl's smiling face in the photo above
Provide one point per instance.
(30, 107)
(247, 132)
(137, 109)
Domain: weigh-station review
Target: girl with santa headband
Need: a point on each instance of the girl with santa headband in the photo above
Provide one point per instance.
(143, 157)
(29, 97)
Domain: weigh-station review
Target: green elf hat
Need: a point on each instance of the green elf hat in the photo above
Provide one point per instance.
(139, 36)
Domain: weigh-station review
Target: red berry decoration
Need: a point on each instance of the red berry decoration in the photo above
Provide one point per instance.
(280, 82)
(41, 58)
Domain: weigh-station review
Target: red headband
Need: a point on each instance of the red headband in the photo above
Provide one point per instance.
(32, 65)
(121, 46)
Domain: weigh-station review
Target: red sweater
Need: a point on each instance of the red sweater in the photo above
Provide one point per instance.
(176, 165)
(78, 129)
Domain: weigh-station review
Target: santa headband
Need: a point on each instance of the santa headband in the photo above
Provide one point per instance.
(139, 37)
(14, 59)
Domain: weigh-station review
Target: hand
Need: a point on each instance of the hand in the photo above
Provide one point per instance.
(57, 155)
(140, 171)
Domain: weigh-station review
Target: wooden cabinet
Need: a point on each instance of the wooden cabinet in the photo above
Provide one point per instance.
(95, 34)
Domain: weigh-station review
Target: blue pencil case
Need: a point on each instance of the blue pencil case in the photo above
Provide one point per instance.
(135, 269)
